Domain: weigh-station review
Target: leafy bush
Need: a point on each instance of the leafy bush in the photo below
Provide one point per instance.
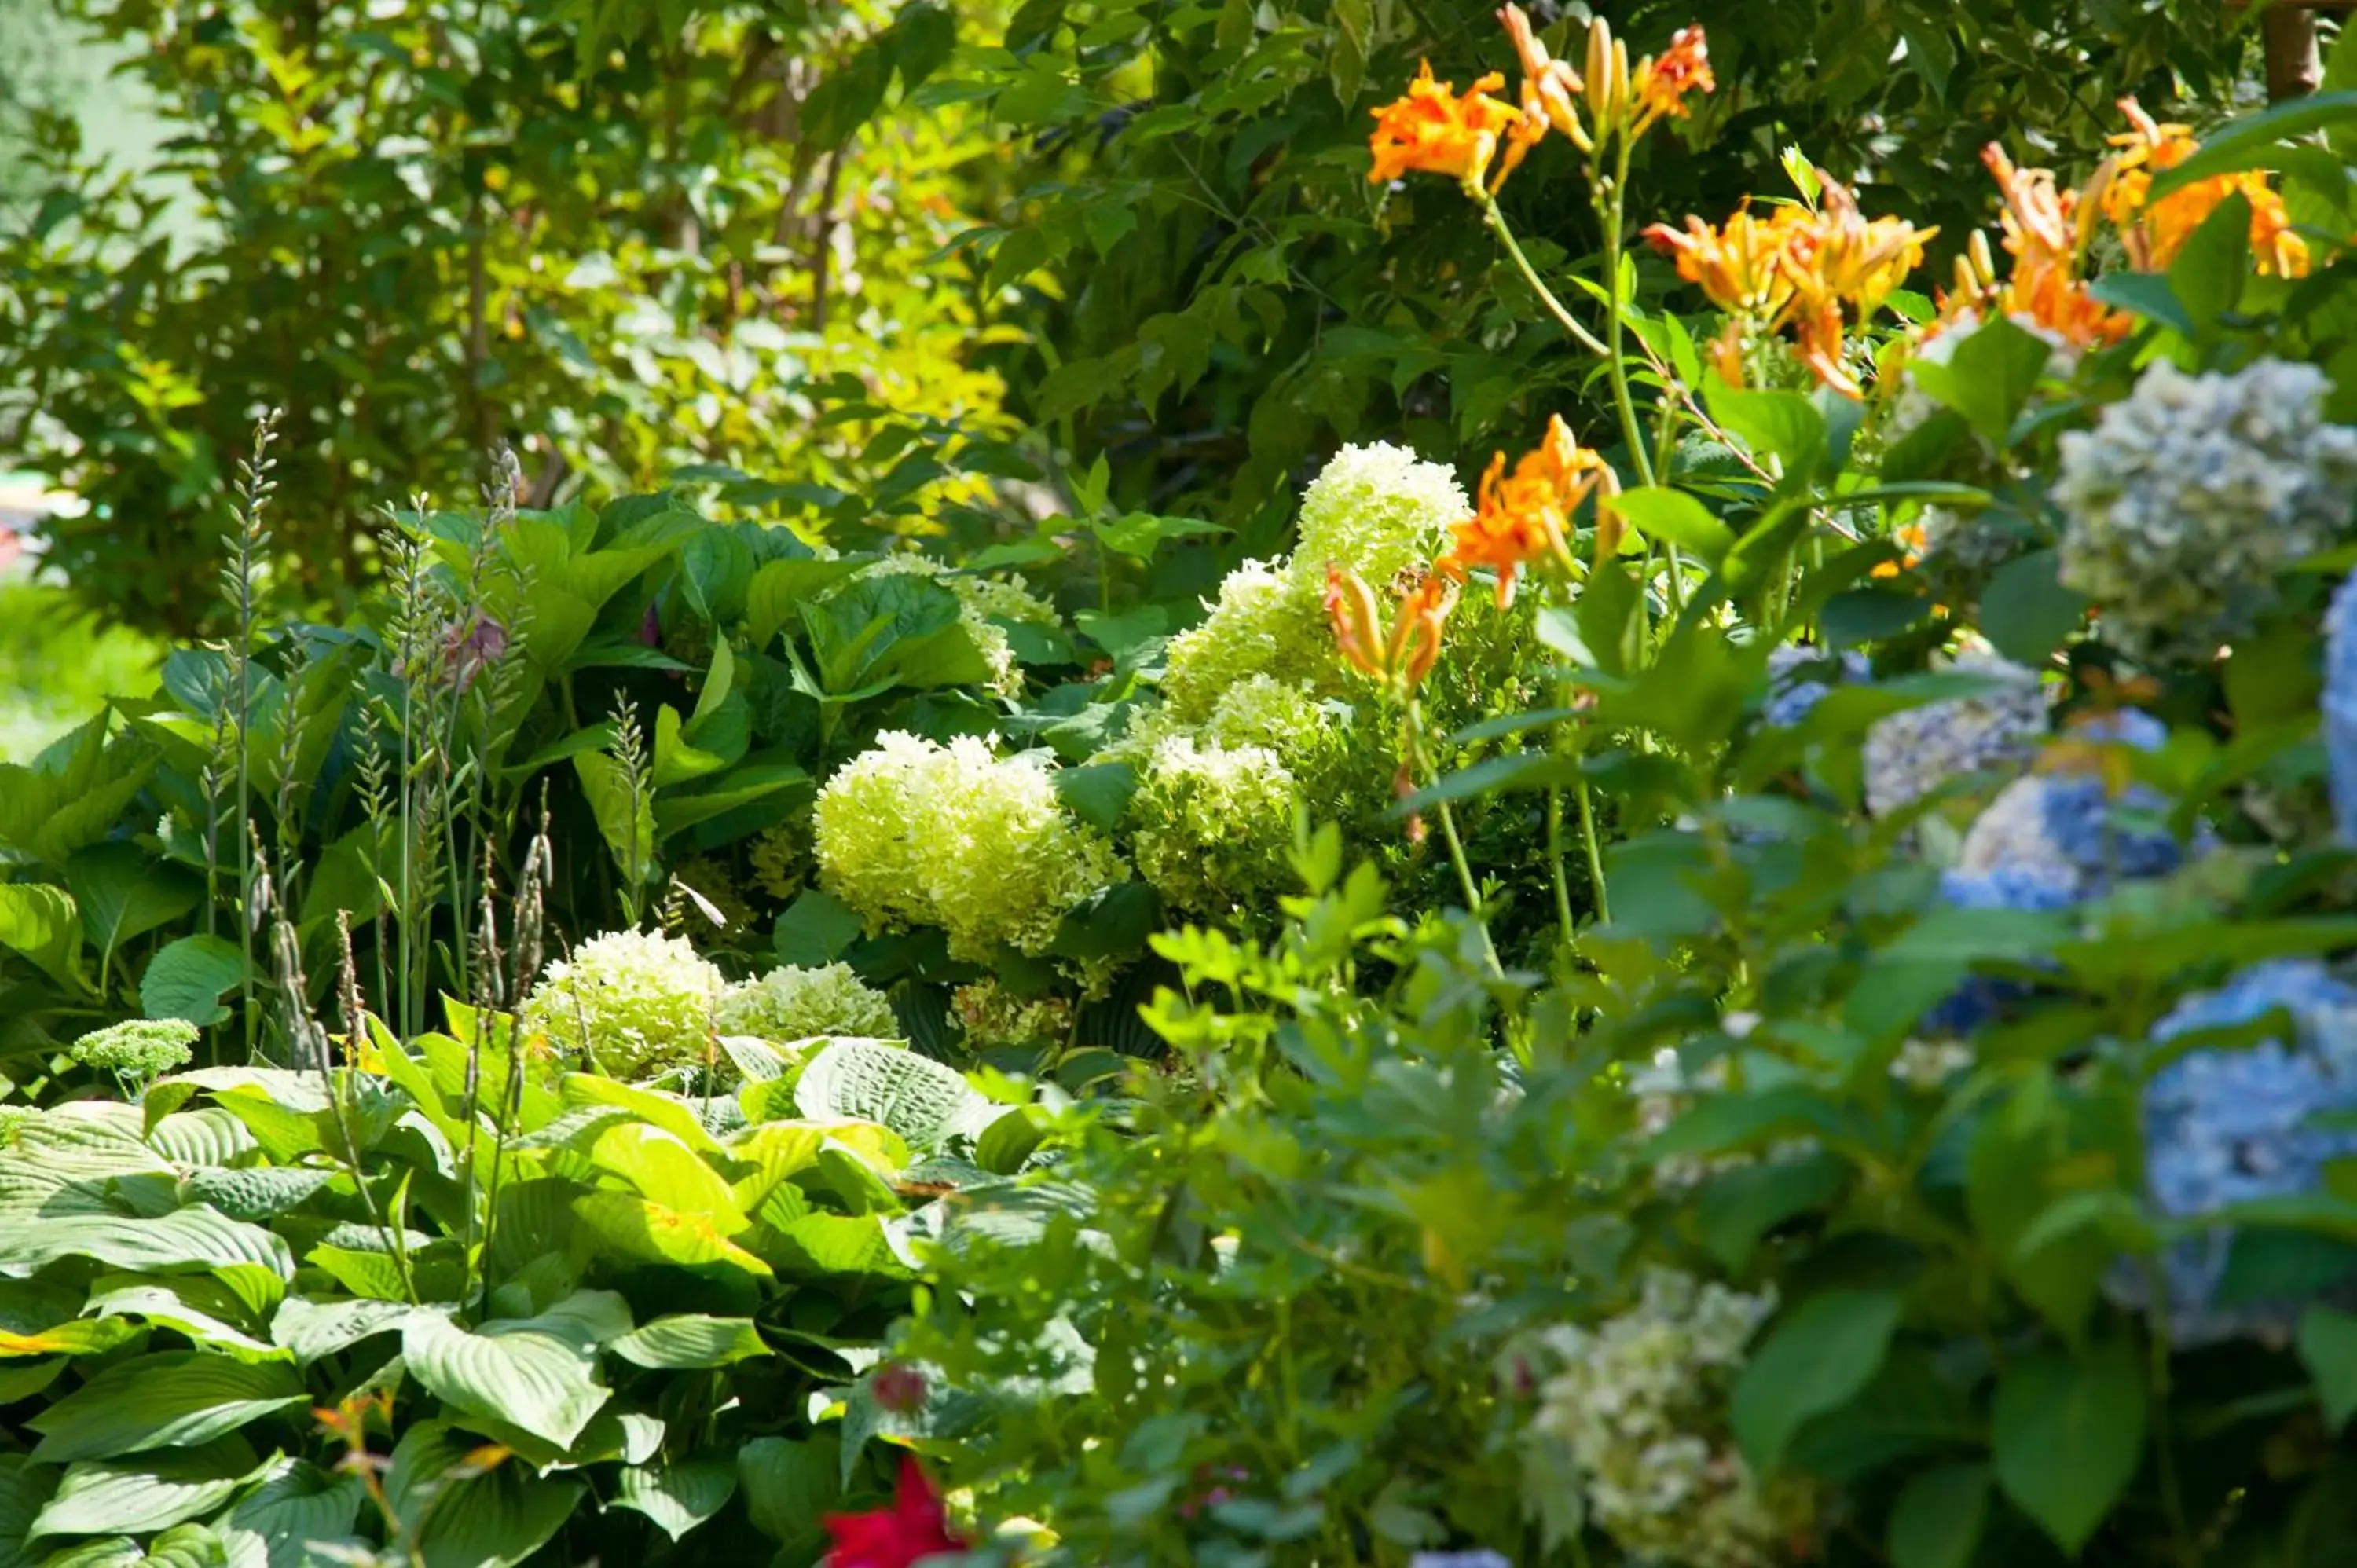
(422, 236)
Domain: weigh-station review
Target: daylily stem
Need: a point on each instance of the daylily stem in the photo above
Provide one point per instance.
(1564, 317)
(1595, 854)
(1612, 203)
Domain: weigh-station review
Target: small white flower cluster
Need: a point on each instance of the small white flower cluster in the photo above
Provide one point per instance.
(2193, 492)
(953, 836)
(1639, 1404)
(139, 1049)
(791, 1004)
(639, 1004)
(1912, 752)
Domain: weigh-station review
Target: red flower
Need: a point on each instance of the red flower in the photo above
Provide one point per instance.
(913, 1529)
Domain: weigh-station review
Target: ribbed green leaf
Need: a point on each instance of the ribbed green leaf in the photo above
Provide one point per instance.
(315, 1330)
(25, 1488)
(918, 1098)
(679, 1496)
(296, 1504)
(171, 1399)
(691, 1339)
(187, 1239)
(464, 1518)
(663, 1169)
(653, 1234)
(539, 1373)
(186, 1307)
(101, 1497)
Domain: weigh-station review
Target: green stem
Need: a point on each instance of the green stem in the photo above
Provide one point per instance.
(1595, 853)
(1554, 862)
(1555, 308)
(1457, 858)
(1613, 204)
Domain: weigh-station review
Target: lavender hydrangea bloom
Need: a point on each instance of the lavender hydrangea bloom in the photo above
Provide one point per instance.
(2225, 1126)
(1793, 696)
(2341, 707)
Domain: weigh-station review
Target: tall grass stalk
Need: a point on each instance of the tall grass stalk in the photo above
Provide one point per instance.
(241, 585)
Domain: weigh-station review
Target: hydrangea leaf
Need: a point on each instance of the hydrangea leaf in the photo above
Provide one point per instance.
(2068, 1435)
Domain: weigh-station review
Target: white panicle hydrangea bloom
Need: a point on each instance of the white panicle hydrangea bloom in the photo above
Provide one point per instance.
(2193, 492)
(956, 837)
(790, 1004)
(639, 1002)
(138, 1050)
(1306, 734)
(1914, 751)
(1378, 511)
(1263, 623)
(981, 601)
(1640, 1406)
(1213, 825)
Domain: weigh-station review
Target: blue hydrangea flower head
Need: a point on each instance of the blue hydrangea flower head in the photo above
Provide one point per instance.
(2028, 887)
(2228, 1126)
(2341, 707)
(1799, 679)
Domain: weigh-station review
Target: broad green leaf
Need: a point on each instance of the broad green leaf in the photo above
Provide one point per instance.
(2250, 140)
(1814, 1360)
(625, 816)
(1988, 378)
(148, 1493)
(2069, 1435)
(167, 1303)
(668, 1111)
(211, 1139)
(916, 1096)
(790, 1484)
(314, 1329)
(2027, 612)
(1674, 516)
(25, 1488)
(778, 588)
(124, 892)
(652, 1233)
(189, 978)
(373, 1274)
(824, 1244)
(1936, 1522)
(664, 1170)
(677, 1496)
(1783, 425)
(2327, 1347)
(538, 1372)
(40, 923)
(815, 929)
(174, 1399)
(462, 1515)
(296, 1504)
(185, 1241)
(691, 1339)
(255, 1192)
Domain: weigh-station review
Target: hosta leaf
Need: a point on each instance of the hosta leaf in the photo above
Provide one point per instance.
(539, 1373)
(838, 1244)
(314, 1329)
(776, 1151)
(668, 1111)
(463, 1515)
(185, 1241)
(373, 1274)
(209, 1139)
(170, 1400)
(255, 1193)
(101, 1497)
(691, 1339)
(664, 1170)
(916, 1096)
(790, 1485)
(678, 1497)
(296, 1503)
(25, 1488)
(164, 1306)
(652, 1233)
(84, 1337)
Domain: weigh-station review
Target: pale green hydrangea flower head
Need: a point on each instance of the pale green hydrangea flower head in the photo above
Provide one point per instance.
(1213, 826)
(1640, 1407)
(1265, 622)
(639, 1002)
(790, 1004)
(137, 1051)
(915, 833)
(1378, 511)
(1306, 733)
(994, 1015)
(980, 600)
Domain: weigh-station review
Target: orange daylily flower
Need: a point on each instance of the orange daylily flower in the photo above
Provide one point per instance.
(1407, 654)
(1816, 272)
(1526, 516)
(1432, 131)
(1550, 86)
(2046, 229)
(2153, 232)
(1659, 83)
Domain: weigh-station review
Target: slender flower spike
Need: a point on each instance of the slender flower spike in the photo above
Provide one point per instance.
(1526, 516)
(911, 1530)
(2153, 232)
(1432, 131)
